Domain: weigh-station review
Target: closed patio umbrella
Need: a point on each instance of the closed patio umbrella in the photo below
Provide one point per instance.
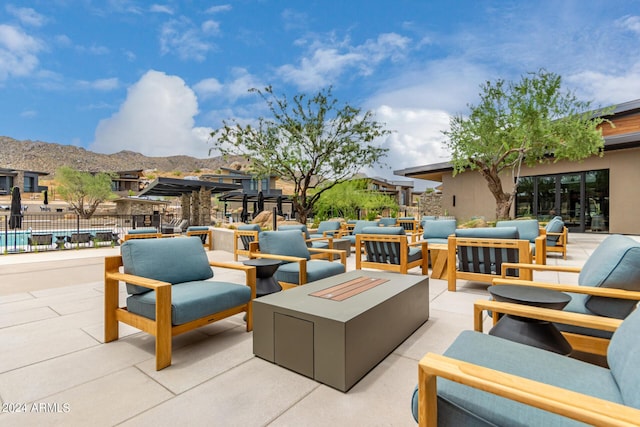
(245, 208)
(279, 206)
(46, 197)
(15, 219)
(260, 201)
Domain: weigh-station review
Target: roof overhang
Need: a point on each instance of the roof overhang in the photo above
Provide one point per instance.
(172, 187)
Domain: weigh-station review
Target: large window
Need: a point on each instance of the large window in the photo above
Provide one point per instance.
(580, 198)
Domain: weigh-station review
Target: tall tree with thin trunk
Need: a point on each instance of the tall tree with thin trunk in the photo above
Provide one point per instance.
(83, 191)
(527, 122)
(312, 141)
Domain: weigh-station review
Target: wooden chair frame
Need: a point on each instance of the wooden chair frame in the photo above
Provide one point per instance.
(579, 342)
(522, 246)
(161, 328)
(237, 250)
(316, 253)
(402, 241)
(208, 242)
(561, 244)
(143, 236)
(574, 405)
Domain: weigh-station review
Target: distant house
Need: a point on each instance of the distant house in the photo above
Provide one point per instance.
(401, 191)
(127, 181)
(597, 194)
(27, 181)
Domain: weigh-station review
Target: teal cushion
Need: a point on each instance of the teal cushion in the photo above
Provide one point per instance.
(383, 230)
(197, 228)
(300, 227)
(387, 222)
(528, 229)
(142, 231)
(250, 227)
(173, 260)
(468, 406)
(488, 232)
(288, 243)
(623, 357)
(577, 305)
(192, 300)
(436, 240)
(328, 226)
(316, 270)
(438, 229)
(554, 226)
(613, 264)
(362, 224)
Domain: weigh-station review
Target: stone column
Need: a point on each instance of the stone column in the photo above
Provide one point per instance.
(195, 209)
(185, 202)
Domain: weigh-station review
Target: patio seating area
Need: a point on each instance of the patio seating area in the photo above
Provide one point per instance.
(53, 356)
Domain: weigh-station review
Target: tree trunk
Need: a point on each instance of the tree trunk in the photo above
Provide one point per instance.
(503, 200)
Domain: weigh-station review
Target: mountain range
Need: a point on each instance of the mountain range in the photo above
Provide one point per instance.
(47, 157)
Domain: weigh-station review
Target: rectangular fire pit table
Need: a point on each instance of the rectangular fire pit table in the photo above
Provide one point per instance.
(337, 329)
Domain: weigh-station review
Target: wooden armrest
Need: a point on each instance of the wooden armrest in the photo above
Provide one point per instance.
(576, 289)
(145, 282)
(538, 267)
(565, 317)
(422, 243)
(578, 406)
(330, 252)
(272, 256)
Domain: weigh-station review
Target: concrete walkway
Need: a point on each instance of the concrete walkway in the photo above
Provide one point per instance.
(55, 369)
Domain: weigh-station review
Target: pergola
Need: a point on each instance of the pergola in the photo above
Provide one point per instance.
(195, 195)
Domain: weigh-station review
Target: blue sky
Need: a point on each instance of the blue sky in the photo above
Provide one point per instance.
(156, 78)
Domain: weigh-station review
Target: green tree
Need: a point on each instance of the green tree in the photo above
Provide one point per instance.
(313, 142)
(347, 198)
(83, 191)
(528, 122)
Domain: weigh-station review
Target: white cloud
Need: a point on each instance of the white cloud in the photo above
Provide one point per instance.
(210, 27)
(242, 81)
(100, 84)
(182, 38)
(417, 138)
(26, 15)
(156, 119)
(631, 23)
(18, 52)
(208, 87)
(220, 8)
(160, 8)
(608, 88)
(326, 61)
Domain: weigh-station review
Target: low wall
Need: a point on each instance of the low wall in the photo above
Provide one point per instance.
(223, 239)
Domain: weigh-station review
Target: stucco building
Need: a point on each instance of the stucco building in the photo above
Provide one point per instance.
(600, 194)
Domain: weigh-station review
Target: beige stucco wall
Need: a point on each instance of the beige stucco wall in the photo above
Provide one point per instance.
(473, 197)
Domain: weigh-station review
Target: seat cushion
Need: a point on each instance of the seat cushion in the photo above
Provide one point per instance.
(528, 229)
(142, 231)
(174, 260)
(316, 270)
(468, 406)
(192, 300)
(613, 264)
(287, 242)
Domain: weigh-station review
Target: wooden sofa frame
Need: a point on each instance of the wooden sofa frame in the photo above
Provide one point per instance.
(522, 246)
(402, 241)
(208, 240)
(578, 406)
(237, 235)
(561, 243)
(161, 328)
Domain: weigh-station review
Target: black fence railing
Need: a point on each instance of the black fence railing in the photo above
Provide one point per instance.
(58, 231)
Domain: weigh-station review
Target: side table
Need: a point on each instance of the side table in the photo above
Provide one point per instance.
(265, 269)
(533, 332)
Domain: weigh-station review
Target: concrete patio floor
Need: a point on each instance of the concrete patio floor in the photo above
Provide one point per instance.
(52, 353)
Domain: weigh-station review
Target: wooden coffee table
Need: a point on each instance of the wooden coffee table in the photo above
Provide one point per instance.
(439, 262)
(337, 329)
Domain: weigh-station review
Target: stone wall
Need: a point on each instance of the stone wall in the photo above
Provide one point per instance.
(431, 204)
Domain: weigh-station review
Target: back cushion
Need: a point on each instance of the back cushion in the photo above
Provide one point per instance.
(287, 242)
(142, 231)
(300, 227)
(173, 260)
(614, 264)
(328, 226)
(623, 357)
(489, 232)
(554, 226)
(438, 229)
(383, 230)
(253, 227)
(387, 221)
(528, 229)
(362, 224)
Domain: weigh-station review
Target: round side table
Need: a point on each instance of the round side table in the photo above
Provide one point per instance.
(533, 332)
(265, 269)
